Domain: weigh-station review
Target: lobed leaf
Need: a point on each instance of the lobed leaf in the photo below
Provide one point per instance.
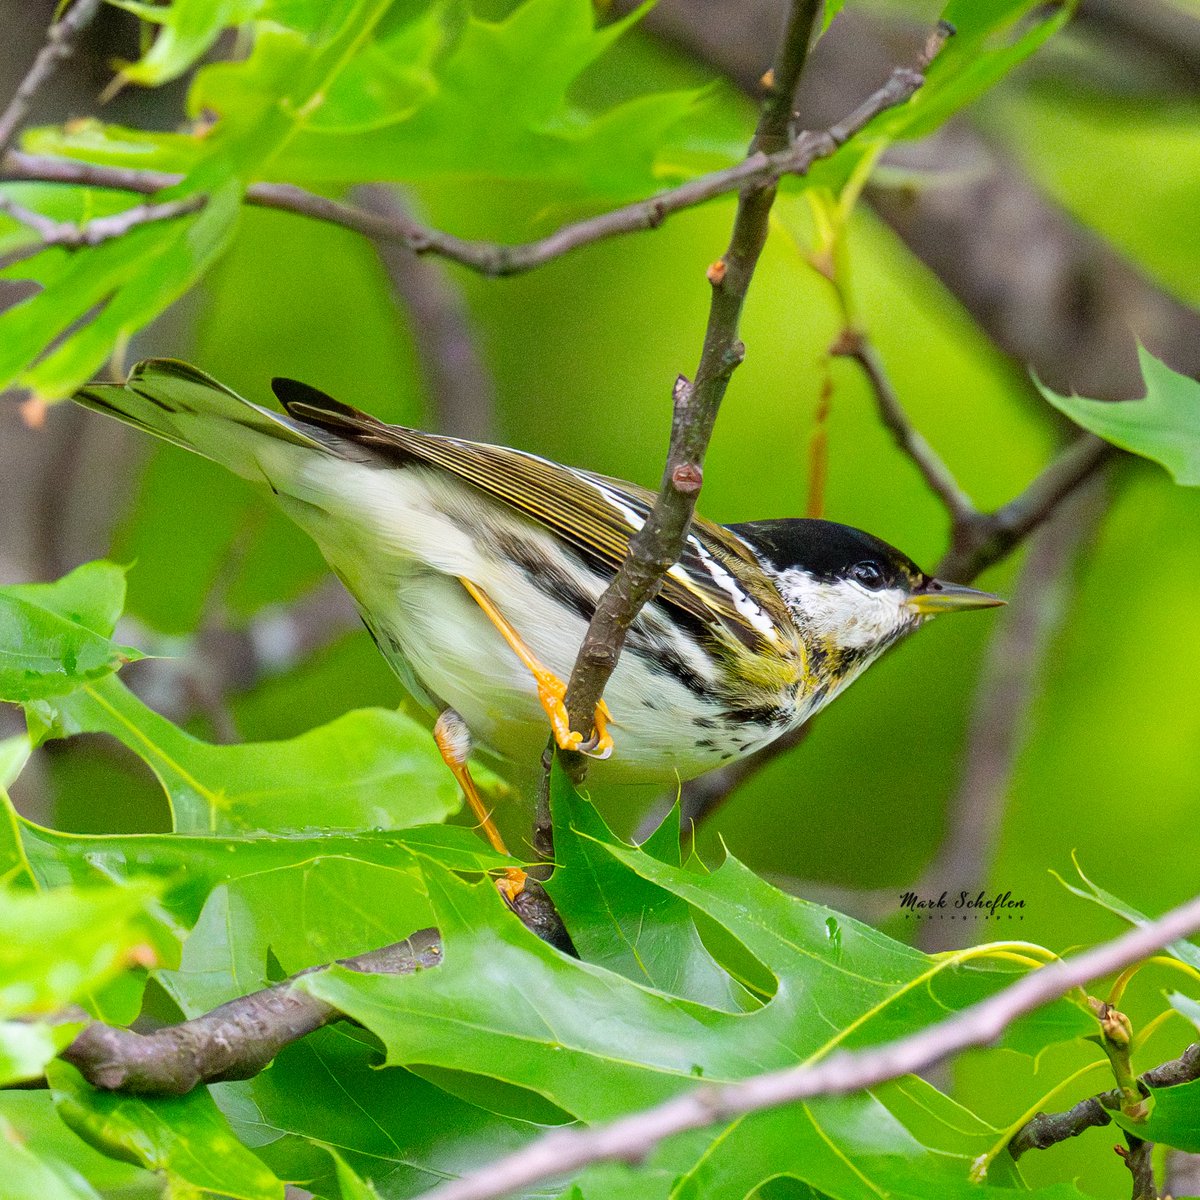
(56, 637)
(1163, 426)
(370, 769)
(597, 1043)
(185, 1137)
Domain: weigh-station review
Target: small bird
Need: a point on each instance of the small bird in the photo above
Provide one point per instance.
(477, 568)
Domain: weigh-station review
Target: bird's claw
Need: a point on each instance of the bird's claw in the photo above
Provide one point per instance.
(552, 693)
(511, 885)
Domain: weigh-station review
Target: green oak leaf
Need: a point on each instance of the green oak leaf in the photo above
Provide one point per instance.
(56, 637)
(1163, 426)
(1185, 951)
(1174, 1118)
(187, 29)
(367, 769)
(27, 1046)
(597, 1044)
(185, 1137)
(187, 871)
(57, 947)
(28, 1174)
(621, 921)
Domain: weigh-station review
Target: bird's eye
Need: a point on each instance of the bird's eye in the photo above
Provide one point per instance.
(868, 574)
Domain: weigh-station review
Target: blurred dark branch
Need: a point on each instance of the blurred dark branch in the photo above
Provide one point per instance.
(456, 379)
(60, 44)
(631, 1138)
(1164, 30)
(1017, 656)
(658, 544)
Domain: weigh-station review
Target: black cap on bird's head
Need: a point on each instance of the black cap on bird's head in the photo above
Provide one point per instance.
(849, 586)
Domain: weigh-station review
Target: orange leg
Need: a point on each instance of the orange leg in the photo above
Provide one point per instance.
(454, 744)
(551, 690)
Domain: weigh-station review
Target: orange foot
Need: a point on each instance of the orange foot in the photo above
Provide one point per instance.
(551, 694)
(511, 885)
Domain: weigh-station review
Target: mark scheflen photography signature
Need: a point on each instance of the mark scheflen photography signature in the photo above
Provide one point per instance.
(966, 906)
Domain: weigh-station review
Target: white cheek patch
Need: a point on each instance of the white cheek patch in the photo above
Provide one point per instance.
(845, 612)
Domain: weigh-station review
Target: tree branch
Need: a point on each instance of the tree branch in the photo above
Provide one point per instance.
(769, 161)
(631, 1138)
(1048, 1129)
(97, 230)
(658, 544)
(854, 344)
(238, 1039)
(987, 538)
(60, 45)
(234, 1041)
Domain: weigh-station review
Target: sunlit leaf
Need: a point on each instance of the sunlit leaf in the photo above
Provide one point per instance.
(55, 637)
(57, 946)
(186, 30)
(27, 1046)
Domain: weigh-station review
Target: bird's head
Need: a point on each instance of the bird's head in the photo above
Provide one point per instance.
(848, 592)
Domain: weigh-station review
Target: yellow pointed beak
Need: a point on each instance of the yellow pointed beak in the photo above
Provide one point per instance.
(938, 597)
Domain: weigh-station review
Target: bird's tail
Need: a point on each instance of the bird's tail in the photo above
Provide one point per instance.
(180, 404)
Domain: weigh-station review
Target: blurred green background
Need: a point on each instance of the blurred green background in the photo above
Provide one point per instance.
(582, 355)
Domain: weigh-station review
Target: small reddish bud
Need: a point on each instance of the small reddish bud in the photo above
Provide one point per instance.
(848, 342)
(33, 412)
(687, 478)
(768, 79)
(716, 272)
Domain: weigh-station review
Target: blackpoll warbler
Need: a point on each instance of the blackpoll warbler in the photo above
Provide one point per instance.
(476, 569)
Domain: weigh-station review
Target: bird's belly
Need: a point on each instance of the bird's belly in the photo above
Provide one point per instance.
(662, 727)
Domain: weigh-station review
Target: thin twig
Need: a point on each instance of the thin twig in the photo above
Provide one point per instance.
(659, 542)
(757, 173)
(60, 45)
(857, 346)
(983, 540)
(631, 1138)
(100, 229)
